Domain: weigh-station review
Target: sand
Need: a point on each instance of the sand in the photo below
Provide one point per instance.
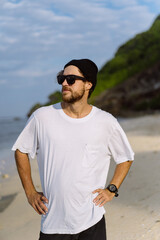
(135, 214)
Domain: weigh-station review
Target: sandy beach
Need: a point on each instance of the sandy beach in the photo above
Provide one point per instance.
(135, 214)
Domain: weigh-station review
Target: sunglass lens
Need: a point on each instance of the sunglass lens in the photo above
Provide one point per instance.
(70, 80)
(60, 79)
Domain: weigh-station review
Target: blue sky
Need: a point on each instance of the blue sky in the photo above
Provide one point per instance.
(38, 37)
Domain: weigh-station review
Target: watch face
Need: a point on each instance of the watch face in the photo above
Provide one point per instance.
(112, 188)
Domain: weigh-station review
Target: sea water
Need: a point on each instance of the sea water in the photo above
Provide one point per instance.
(10, 128)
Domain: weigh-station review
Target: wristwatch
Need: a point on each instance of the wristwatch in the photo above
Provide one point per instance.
(113, 189)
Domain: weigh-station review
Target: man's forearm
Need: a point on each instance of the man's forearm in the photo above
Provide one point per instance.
(35, 199)
(24, 170)
(120, 173)
(104, 195)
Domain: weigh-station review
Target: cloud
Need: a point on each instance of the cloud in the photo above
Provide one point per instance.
(36, 29)
(3, 81)
(11, 4)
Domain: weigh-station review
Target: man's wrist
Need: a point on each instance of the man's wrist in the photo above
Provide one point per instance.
(113, 189)
(30, 192)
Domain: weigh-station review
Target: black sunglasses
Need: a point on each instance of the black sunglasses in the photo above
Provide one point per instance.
(69, 78)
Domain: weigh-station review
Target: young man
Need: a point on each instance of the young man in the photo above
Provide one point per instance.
(74, 142)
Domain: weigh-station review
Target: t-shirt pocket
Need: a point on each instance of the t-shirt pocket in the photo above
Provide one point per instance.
(91, 155)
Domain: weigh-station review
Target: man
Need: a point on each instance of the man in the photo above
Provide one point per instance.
(74, 142)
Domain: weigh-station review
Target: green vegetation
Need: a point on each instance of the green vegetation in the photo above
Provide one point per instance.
(131, 58)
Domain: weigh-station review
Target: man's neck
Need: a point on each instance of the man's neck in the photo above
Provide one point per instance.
(77, 109)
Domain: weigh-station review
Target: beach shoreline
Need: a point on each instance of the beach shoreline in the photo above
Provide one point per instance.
(135, 214)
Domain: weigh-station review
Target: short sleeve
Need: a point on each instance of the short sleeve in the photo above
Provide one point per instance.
(119, 146)
(27, 142)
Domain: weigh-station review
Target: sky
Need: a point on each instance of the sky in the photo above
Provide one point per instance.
(37, 38)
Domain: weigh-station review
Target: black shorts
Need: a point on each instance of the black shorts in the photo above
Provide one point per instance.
(96, 232)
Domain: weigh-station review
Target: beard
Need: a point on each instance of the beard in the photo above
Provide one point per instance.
(73, 97)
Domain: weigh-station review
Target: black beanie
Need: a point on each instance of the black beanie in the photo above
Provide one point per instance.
(88, 68)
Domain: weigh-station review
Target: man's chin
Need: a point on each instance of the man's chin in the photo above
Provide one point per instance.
(67, 99)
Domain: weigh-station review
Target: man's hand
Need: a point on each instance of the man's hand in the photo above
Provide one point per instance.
(37, 200)
(103, 196)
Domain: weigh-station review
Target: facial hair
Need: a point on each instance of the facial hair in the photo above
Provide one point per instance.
(73, 96)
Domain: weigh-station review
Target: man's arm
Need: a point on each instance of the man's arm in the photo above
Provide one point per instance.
(119, 175)
(35, 199)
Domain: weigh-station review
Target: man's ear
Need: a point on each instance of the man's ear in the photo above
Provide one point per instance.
(88, 85)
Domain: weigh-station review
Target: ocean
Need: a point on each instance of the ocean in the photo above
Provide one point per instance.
(10, 128)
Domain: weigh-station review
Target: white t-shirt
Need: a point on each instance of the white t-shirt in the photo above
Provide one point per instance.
(73, 157)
